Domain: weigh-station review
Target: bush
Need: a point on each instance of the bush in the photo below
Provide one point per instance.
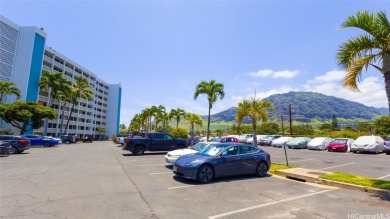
(179, 133)
(114, 138)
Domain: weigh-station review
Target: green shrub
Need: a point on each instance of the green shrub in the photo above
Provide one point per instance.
(114, 138)
(179, 133)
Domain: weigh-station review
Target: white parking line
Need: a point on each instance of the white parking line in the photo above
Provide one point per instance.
(179, 187)
(147, 165)
(266, 204)
(159, 173)
(300, 160)
(382, 177)
(146, 159)
(336, 166)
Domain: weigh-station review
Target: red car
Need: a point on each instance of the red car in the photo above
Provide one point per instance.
(340, 145)
(228, 139)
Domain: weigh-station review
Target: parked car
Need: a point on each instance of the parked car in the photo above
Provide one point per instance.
(120, 139)
(250, 140)
(370, 143)
(225, 139)
(267, 140)
(281, 142)
(319, 143)
(172, 156)
(18, 143)
(67, 139)
(298, 142)
(224, 159)
(340, 144)
(244, 138)
(55, 138)
(215, 139)
(5, 148)
(387, 146)
(40, 140)
(196, 140)
(87, 138)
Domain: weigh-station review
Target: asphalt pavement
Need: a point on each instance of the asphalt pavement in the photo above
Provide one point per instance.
(99, 180)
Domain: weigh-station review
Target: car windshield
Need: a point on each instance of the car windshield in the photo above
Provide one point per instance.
(387, 139)
(199, 146)
(213, 150)
(340, 141)
(268, 137)
(317, 140)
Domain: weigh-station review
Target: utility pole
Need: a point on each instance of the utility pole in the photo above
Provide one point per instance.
(289, 107)
(281, 117)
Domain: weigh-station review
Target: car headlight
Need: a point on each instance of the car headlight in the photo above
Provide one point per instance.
(194, 162)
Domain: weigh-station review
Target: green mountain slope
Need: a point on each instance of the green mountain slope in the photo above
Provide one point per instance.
(308, 105)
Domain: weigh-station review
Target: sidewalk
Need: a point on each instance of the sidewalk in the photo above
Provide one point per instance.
(307, 175)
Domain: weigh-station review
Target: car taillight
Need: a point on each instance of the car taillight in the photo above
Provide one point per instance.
(127, 140)
(23, 141)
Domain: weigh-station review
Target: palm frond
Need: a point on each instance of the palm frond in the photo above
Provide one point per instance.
(354, 71)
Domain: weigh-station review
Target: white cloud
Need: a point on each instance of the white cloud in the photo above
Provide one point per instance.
(334, 75)
(262, 73)
(275, 74)
(285, 74)
(372, 90)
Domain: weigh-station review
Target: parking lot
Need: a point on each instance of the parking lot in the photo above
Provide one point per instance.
(99, 180)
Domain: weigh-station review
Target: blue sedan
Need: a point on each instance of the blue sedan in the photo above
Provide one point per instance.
(220, 160)
(40, 140)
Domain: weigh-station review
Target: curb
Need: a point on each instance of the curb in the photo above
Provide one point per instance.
(304, 177)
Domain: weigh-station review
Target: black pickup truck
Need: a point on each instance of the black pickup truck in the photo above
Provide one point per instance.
(154, 142)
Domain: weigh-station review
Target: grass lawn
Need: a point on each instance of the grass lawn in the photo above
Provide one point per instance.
(357, 180)
(275, 167)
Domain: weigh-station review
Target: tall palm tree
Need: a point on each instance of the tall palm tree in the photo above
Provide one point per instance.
(147, 114)
(7, 87)
(212, 90)
(136, 123)
(65, 95)
(81, 90)
(157, 112)
(177, 114)
(255, 109)
(370, 49)
(193, 119)
(51, 83)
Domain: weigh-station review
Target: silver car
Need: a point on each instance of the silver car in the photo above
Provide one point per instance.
(371, 143)
(319, 143)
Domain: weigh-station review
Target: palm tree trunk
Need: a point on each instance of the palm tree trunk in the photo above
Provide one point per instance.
(70, 116)
(387, 87)
(254, 132)
(208, 123)
(62, 117)
(192, 135)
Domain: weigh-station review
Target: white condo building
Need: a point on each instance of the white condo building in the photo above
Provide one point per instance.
(23, 57)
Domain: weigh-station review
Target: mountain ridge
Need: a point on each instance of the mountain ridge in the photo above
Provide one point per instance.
(306, 106)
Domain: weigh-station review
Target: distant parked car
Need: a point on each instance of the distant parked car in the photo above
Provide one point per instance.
(319, 143)
(87, 138)
(371, 143)
(55, 138)
(298, 142)
(267, 140)
(5, 148)
(40, 140)
(214, 139)
(250, 140)
(224, 159)
(18, 143)
(120, 139)
(172, 156)
(340, 144)
(281, 142)
(67, 139)
(225, 139)
(244, 138)
(387, 145)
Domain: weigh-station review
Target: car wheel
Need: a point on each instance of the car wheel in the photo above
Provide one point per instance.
(46, 144)
(205, 174)
(13, 150)
(262, 169)
(138, 150)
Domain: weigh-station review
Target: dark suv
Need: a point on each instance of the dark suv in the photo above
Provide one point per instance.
(67, 139)
(87, 138)
(18, 143)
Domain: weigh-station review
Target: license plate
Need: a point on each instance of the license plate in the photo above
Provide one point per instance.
(175, 168)
(334, 148)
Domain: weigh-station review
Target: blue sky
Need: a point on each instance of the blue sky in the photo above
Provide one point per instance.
(160, 50)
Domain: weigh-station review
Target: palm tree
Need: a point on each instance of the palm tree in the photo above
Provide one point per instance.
(81, 90)
(213, 90)
(193, 119)
(255, 109)
(370, 49)
(51, 83)
(136, 123)
(147, 115)
(177, 113)
(157, 112)
(65, 95)
(7, 88)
